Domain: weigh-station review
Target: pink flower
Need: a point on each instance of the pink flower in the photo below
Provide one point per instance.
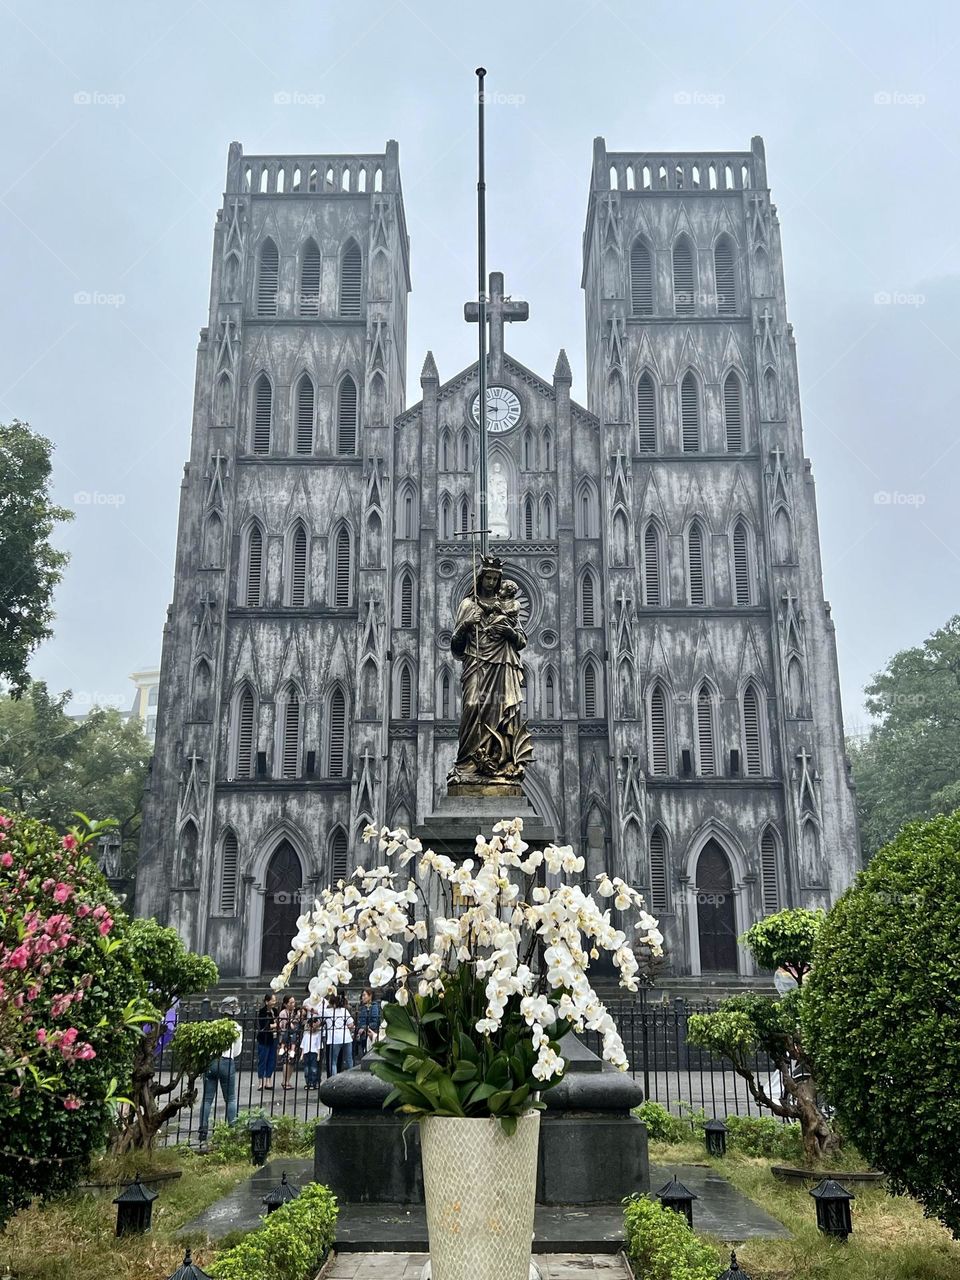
(33, 992)
(85, 1053)
(6, 860)
(41, 1036)
(83, 910)
(72, 1103)
(6, 822)
(68, 1037)
(105, 926)
(18, 959)
(99, 912)
(48, 884)
(69, 842)
(62, 892)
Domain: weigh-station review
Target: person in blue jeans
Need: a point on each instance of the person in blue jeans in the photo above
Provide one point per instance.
(340, 1029)
(267, 1040)
(222, 1073)
(311, 1047)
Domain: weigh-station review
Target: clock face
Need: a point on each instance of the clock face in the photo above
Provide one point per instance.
(503, 409)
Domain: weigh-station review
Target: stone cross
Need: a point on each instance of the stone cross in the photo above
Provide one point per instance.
(500, 310)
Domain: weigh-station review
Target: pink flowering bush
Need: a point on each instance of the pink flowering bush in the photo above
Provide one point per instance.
(71, 1004)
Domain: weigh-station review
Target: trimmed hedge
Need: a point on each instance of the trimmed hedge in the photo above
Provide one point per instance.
(291, 1244)
(750, 1135)
(661, 1246)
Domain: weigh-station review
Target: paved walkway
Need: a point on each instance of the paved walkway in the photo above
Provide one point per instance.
(409, 1266)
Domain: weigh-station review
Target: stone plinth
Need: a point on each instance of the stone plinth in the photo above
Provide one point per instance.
(592, 1150)
(471, 808)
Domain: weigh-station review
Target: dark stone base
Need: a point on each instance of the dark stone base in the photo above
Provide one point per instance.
(459, 817)
(368, 1159)
(591, 1159)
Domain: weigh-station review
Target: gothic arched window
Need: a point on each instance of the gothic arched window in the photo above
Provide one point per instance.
(528, 527)
(337, 734)
(445, 699)
(547, 449)
(297, 567)
(528, 451)
(641, 279)
(229, 872)
(588, 519)
(684, 287)
(733, 412)
(588, 599)
(769, 872)
(659, 731)
(262, 415)
(752, 719)
(244, 733)
(342, 568)
(690, 412)
(446, 523)
(706, 732)
(403, 694)
(444, 450)
(646, 413)
(405, 599)
(202, 690)
(268, 279)
(347, 405)
(652, 566)
(253, 568)
(310, 280)
(591, 691)
(742, 577)
(725, 270)
(658, 870)
(407, 511)
(464, 514)
(290, 734)
(305, 415)
(696, 565)
(550, 704)
(351, 281)
(546, 509)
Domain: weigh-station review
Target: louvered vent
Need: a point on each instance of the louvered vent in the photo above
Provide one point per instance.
(245, 735)
(310, 281)
(698, 594)
(254, 567)
(528, 520)
(751, 732)
(262, 414)
(741, 564)
(350, 281)
(590, 692)
(406, 694)
(305, 416)
(733, 413)
(683, 278)
(658, 871)
(659, 752)
(342, 570)
(647, 414)
(550, 697)
(651, 566)
(641, 280)
(338, 735)
(406, 601)
(338, 857)
(298, 568)
(587, 602)
(268, 278)
(291, 736)
(229, 874)
(769, 879)
(726, 273)
(708, 755)
(690, 414)
(347, 417)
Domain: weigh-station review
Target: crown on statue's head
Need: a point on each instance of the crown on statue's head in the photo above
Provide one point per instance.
(491, 562)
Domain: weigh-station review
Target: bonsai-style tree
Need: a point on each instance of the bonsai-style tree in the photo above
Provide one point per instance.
(172, 973)
(882, 1013)
(751, 1025)
(71, 1008)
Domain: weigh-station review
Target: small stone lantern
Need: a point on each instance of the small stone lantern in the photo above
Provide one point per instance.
(679, 1198)
(715, 1132)
(189, 1270)
(833, 1208)
(261, 1139)
(281, 1194)
(734, 1271)
(134, 1208)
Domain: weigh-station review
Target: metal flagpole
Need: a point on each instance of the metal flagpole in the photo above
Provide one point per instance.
(482, 326)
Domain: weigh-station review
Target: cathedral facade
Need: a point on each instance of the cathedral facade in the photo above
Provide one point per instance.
(681, 675)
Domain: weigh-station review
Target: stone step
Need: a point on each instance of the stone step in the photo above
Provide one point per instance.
(409, 1266)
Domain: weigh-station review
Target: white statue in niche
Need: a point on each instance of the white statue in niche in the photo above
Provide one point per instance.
(498, 502)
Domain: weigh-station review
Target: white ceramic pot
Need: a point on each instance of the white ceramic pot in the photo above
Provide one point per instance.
(480, 1187)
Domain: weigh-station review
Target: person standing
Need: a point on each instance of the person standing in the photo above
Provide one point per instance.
(368, 1022)
(289, 1028)
(311, 1047)
(340, 1028)
(222, 1072)
(267, 1040)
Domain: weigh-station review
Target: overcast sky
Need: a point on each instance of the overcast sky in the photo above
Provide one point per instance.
(118, 117)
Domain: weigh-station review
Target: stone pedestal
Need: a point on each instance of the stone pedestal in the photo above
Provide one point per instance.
(470, 808)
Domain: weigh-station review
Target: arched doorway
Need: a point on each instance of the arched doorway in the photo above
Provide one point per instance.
(281, 907)
(716, 915)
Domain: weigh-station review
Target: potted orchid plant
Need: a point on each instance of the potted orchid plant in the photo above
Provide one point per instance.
(490, 959)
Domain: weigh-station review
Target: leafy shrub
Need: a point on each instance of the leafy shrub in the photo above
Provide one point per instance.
(882, 1011)
(765, 1136)
(71, 1006)
(661, 1246)
(291, 1136)
(290, 1245)
(664, 1126)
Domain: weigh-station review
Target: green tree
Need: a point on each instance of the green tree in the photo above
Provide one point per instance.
(751, 1025)
(30, 567)
(172, 973)
(882, 1013)
(908, 767)
(52, 767)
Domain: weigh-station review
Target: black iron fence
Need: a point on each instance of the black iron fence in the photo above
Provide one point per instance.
(677, 1075)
